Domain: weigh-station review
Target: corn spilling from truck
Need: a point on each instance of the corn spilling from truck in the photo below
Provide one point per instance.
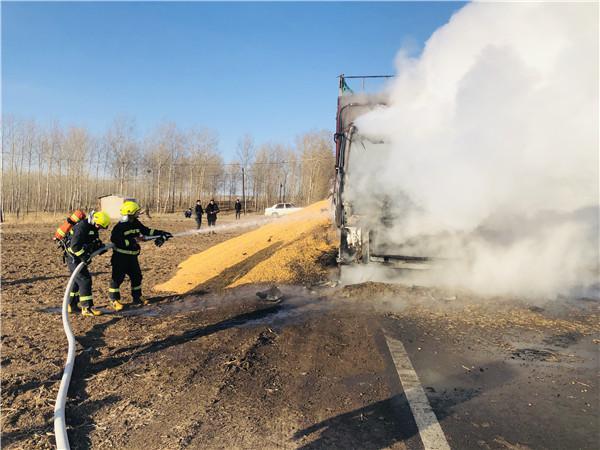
(288, 250)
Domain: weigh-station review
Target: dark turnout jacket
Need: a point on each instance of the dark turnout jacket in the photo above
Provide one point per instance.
(124, 233)
(84, 240)
(198, 210)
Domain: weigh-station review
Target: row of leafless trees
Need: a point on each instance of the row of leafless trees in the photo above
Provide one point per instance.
(57, 169)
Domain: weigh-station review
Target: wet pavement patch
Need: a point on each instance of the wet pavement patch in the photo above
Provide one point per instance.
(128, 312)
(563, 339)
(534, 354)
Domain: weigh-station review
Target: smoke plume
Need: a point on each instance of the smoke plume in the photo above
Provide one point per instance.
(492, 155)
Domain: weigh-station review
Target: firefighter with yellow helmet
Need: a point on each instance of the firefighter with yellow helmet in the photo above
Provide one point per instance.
(125, 237)
(83, 240)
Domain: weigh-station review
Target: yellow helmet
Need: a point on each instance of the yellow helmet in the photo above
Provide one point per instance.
(129, 208)
(101, 219)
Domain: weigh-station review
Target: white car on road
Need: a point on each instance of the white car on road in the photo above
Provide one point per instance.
(281, 209)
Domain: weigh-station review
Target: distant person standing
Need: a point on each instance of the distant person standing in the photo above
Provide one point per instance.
(238, 208)
(212, 209)
(198, 211)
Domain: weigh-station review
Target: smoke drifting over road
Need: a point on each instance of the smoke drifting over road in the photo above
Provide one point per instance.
(493, 155)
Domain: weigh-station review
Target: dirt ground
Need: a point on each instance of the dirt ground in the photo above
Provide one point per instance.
(33, 341)
(223, 369)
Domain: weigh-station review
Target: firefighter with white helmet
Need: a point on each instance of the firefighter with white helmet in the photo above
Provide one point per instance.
(83, 240)
(125, 237)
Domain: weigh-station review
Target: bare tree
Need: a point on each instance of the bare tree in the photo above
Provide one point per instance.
(203, 146)
(316, 153)
(57, 169)
(122, 149)
(245, 153)
(76, 150)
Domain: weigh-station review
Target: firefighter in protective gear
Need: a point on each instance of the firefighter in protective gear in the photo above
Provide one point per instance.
(83, 241)
(126, 236)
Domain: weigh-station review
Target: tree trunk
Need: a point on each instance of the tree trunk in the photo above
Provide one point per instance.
(48, 170)
(158, 188)
(57, 193)
(12, 167)
(28, 175)
(19, 180)
(244, 189)
(191, 196)
(97, 175)
(169, 181)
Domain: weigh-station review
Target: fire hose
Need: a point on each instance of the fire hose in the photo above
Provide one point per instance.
(60, 423)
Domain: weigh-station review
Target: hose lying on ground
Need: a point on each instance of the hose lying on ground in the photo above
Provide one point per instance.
(60, 424)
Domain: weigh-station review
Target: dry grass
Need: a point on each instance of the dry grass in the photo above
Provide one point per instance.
(47, 218)
(35, 217)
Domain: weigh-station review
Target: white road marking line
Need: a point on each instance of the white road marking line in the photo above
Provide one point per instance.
(430, 430)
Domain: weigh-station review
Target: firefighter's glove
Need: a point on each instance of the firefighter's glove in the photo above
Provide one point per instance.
(166, 235)
(96, 245)
(86, 258)
(159, 241)
(92, 246)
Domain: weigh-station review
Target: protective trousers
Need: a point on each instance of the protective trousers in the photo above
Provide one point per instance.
(198, 222)
(125, 265)
(82, 287)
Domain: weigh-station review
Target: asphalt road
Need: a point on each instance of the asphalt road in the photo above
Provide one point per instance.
(540, 393)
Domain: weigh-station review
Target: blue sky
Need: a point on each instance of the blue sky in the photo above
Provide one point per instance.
(268, 69)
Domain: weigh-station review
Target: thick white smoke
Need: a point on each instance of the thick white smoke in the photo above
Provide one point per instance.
(493, 148)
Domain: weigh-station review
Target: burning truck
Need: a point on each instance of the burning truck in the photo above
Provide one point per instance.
(365, 224)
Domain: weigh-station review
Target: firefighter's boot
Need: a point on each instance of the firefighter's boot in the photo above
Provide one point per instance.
(141, 301)
(117, 305)
(74, 306)
(90, 311)
(73, 309)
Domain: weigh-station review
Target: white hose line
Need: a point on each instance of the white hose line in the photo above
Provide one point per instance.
(60, 423)
(231, 226)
